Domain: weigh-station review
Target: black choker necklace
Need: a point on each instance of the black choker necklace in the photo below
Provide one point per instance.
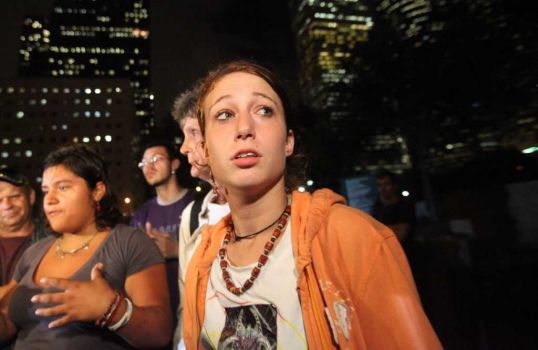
(238, 238)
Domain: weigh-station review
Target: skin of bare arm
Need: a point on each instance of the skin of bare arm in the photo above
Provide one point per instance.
(150, 323)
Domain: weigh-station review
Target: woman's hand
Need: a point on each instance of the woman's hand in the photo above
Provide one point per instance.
(79, 300)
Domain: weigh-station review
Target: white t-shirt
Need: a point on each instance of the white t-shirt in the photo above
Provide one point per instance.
(267, 316)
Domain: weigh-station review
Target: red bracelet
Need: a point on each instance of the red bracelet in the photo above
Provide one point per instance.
(104, 319)
(110, 317)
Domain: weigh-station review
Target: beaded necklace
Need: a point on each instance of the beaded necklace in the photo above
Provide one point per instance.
(262, 260)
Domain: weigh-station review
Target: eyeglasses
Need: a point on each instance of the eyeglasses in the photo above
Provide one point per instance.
(12, 177)
(152, 160)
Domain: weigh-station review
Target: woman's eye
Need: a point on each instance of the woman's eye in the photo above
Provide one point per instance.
(63, 187)
(224, 115)
(267, 111)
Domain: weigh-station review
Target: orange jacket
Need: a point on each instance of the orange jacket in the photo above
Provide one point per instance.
(354, 282)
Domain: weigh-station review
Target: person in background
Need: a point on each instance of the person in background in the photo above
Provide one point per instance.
(160, 216)
(392, 209)
(18, 230)
(94, 284)
(205, 210)
(287, 270)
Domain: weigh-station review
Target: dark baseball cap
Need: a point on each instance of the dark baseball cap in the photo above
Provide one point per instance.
(13, 177)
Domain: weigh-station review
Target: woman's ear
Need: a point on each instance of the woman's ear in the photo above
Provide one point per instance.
(290, 143)
(99, 191)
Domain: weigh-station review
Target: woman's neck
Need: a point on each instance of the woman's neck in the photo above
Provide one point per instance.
(81, 234)
(253, 212)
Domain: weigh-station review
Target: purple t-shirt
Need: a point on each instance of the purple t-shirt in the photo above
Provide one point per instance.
(162, 217)
(165, 218)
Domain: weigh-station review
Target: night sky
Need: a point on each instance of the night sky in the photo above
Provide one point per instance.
(187, 39)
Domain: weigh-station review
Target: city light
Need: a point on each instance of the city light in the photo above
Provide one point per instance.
(529, 150)
(127, 200)
(301, 189)
(198, 189)
(405, 193)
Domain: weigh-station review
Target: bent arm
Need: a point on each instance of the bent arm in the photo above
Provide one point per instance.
(391, 306)
(7, 328)
(150, 325)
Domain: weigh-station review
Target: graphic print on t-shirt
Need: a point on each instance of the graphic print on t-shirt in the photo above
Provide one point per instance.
(249, 327)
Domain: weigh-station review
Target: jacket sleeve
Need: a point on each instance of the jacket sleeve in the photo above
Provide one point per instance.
(381, 285)
(391, 312)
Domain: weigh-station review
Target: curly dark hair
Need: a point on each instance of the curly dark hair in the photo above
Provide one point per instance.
(88, 163)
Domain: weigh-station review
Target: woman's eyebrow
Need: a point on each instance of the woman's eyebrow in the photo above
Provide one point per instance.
(219, 99)
(261, 94)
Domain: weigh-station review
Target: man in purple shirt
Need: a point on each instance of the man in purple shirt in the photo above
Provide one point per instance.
(160, 217)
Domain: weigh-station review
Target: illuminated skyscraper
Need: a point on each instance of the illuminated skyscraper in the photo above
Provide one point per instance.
(329, 40)
(327, 36)
(411, 19)
(39, 114)
(87, 39)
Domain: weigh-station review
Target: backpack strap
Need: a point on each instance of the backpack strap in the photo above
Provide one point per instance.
(195, 211)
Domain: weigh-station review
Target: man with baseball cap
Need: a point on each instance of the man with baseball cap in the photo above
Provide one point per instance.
(17, 229)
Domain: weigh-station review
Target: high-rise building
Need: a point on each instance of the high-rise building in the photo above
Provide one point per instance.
(39, 114)
(329, 39)
(411, 19)
(327, 35)
(93, 39)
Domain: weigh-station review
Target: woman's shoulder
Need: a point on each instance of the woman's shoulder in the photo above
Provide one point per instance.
(39, 245)
(349, 217)
(123, 234)
(328, 215)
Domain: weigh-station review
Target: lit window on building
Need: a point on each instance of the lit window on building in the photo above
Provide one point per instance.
(85, 139)
(28, 153)
(5, 154)
(108, 138)
(20, 114)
